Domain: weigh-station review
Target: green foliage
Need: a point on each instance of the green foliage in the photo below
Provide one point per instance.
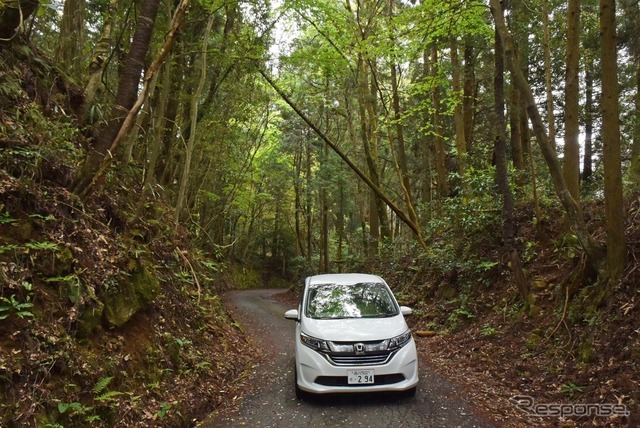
(458, 317)
(63, 407)
(107, 396)
(488, 330)
(101, 384)
(568, 246)
(164, 409)
(42, 246)
(74, 286)
(13, 306)
(571, 389)
(5, 218)
(8, 247)
(42, 218)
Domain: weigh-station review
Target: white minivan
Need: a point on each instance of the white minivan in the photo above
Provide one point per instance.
(351, 336)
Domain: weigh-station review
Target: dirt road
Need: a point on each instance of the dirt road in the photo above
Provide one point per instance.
(271, 401)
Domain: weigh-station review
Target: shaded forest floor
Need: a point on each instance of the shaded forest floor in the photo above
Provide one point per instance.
(64, 362)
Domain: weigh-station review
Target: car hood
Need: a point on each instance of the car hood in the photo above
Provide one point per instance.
(354, 329)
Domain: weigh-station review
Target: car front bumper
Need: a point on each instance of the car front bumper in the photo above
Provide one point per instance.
(317, 375)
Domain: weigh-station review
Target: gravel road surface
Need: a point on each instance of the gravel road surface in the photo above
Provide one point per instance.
(271, 401)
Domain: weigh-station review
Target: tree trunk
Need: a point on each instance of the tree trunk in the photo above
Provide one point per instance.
(156, 139)
(572, 102)
(572, 208)
(125, 97)
(634, 168)
(440, 158)
(186, 170)
(98, 62)
(324, 221)
(297, 189)
(374, 159)
(515, 123)
(616, 247)
(469, 94)
(502, 177)
(551, 121)
(458, 118)
(587, 165)
(308, 205)
(71, 36)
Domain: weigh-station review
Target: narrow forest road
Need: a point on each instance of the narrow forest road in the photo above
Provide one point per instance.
(271, 401)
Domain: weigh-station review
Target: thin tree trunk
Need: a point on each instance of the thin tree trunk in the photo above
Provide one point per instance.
(502, 177)
(634, 168)
(156, 139)
(440, 158)
(308, 216)
(98, 62)
(587, 165)
(551, 121)
(458, 118)
(184, 180)
(297, 188)
(614, 217)
(469, 94)
(374, 161)
(515, 123)
(572, 102)
(324, 221)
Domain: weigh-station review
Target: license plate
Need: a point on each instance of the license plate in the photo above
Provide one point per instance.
(360, 377)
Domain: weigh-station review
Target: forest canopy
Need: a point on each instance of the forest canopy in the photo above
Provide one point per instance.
(312, 135)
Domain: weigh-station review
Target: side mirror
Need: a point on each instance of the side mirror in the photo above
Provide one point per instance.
(405, 310)
(292, 314)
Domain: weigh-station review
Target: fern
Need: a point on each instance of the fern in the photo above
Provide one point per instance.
(42, 245)
(102, 384)
(108, 396)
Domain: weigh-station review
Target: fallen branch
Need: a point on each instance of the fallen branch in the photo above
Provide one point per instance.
(193, 272)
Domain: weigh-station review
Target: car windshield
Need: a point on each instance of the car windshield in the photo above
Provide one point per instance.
(361, 300)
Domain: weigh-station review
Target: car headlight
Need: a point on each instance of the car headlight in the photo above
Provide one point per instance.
(399, 341)
(314, 343)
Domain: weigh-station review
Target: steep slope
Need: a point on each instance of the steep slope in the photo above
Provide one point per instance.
(106, 319)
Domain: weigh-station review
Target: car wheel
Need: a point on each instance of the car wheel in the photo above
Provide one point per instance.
(410, 392)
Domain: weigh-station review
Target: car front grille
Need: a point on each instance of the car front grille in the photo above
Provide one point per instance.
(359, 353)
(358, 360)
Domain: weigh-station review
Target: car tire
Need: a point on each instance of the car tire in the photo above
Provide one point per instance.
(411, 392)
(300, 394)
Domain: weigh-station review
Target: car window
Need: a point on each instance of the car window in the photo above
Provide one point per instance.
(362, 300)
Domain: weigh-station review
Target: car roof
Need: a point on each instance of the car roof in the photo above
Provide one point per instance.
(343, 278)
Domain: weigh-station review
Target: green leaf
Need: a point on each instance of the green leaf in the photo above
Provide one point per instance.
(102, 384)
